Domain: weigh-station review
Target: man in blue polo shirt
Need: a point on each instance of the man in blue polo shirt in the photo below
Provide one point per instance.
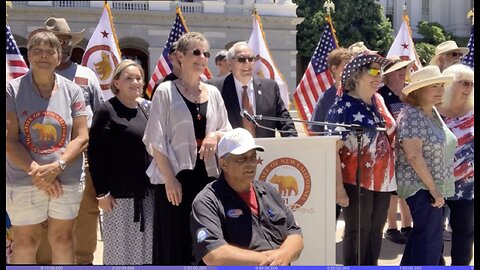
(238, 221)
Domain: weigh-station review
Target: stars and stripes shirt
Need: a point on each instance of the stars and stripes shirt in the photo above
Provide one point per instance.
(392, 101)
(462, 128)
(376, 154)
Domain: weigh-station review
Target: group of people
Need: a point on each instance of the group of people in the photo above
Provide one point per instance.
(425, 156)
(71, 153)
(174, 176)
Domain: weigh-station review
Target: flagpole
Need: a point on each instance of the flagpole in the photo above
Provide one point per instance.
(8, 5)
(110, 17)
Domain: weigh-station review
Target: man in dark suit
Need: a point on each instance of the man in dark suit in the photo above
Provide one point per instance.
(241, 91)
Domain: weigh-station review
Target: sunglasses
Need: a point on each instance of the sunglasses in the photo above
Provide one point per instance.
(245, 59)
(374, 71)
(455, 54)
(197, 52)
(466, 83)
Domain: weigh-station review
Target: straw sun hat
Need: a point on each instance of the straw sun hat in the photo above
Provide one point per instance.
(424, 77)
(397, 63)
(446, 47)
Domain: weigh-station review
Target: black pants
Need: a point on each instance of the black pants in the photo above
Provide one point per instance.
(374, 208)
(425, 241)
(172, 242)
(463, 230)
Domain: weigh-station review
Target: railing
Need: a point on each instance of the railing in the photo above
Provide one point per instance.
(190, 7)
(129, 5)
(71, 4)
(19, 3)
(185, 7)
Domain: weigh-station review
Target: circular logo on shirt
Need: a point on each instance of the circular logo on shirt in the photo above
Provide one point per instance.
(43, 127)
(291, 178)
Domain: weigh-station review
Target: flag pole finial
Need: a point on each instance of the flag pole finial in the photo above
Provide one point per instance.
(470, 14)
(329, 7)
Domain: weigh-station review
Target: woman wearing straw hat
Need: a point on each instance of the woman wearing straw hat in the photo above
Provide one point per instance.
(395, 76)
(424, 164)
(46, 134)
(361, 105)
(458, 114)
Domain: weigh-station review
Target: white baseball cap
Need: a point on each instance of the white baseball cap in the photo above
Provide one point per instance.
(237, 142)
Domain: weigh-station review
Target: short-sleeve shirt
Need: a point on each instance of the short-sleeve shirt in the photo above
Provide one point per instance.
(463, 129)
(392, 101)
(45, 125)
(88, 81)
(377, 160)
(438, 147)
(220, 216)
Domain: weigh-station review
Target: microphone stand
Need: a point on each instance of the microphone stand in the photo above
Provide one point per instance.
(358, 131)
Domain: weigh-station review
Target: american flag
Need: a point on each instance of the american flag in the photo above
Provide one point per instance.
(164, 66)
(317, 78)
(469, 58)
(15, 61)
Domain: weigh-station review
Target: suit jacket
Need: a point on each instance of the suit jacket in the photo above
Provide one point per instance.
(268, 102)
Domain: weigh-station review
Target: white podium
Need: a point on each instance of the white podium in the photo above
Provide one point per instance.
(303, 170)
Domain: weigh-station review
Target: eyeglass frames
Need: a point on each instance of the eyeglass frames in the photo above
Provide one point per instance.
(455, 54)
(466, 83)
(374, 71)
(197, 52)
(243, 59)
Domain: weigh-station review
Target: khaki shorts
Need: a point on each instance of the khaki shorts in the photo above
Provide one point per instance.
(26, 205)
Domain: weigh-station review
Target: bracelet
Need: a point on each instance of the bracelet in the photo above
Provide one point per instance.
(103, 196)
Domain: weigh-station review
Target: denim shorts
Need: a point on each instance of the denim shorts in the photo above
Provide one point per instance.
(27, 205)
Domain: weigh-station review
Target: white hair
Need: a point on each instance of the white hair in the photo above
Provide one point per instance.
(459, 72)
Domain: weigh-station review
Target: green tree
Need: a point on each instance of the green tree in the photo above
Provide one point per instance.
(432, 32)
(353, 20)
(310, 29)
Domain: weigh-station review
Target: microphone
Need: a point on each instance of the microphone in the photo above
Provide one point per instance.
(248, 116)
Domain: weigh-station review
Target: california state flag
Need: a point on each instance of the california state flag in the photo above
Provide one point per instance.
(403, 45)
(102, 53)
(265, 67)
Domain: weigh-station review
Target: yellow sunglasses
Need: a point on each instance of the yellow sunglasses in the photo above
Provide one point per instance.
(374, 71)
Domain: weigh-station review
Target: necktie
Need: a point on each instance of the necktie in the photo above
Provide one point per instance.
(248, 107)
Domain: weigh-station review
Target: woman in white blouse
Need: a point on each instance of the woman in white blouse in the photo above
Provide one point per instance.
(186, 121)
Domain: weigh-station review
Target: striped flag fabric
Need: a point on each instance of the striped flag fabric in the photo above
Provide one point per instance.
(265, 66)
(317, 78)
(469, 58)
(164, 66)
(15, 61)
(103, 53)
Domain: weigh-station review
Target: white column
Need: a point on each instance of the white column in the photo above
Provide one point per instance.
(154, 55)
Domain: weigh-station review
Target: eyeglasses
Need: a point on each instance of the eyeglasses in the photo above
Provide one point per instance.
(242, 59)
(455, 54)
(374, 71)
(197, 52)
(466, 83)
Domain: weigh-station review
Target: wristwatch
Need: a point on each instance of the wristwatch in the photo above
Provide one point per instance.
(62, 164)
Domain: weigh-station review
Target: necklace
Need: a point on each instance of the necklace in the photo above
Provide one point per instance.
(40, 91)
(196, 97)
